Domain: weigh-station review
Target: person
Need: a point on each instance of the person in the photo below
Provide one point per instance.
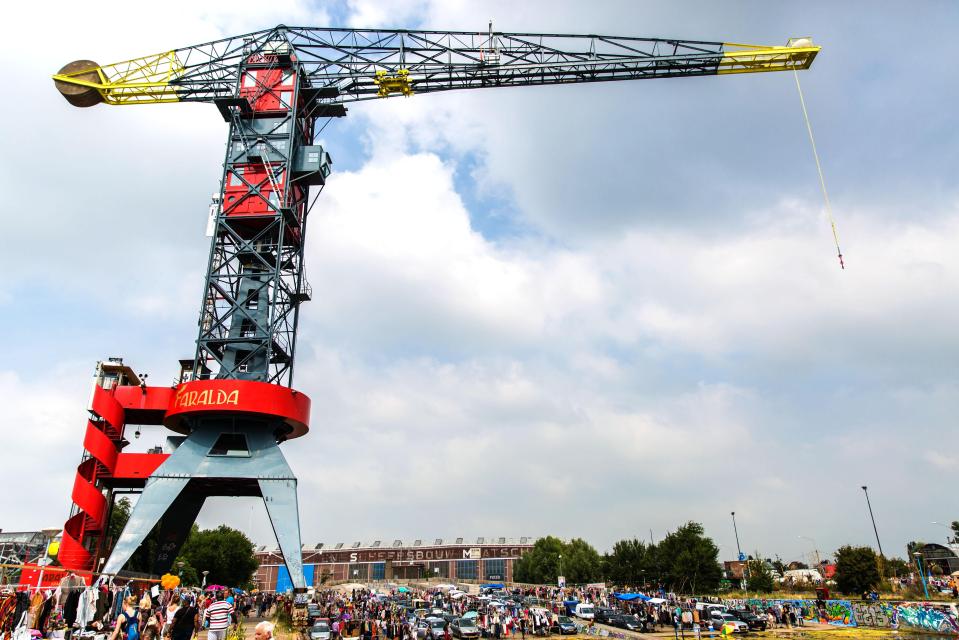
(146, 609)
(128, 623)
(183, 625)
(263, 631)
(171, 610)
(151, 628)
(218, 615)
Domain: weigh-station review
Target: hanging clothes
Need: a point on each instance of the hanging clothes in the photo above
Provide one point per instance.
(87, 607)
(44, 616)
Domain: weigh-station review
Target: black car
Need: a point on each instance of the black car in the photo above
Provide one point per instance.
(756, 623)
(602, 614)
(622, 621)
(564, 625)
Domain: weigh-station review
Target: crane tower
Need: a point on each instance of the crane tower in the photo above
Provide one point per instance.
(235, 403)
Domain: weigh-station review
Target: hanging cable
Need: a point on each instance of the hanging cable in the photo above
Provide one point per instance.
(822, 180)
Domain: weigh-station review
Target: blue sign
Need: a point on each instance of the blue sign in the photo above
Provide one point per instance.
(742, 558)
(283, 581)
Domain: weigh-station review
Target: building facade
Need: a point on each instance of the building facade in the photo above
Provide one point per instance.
(457, 559)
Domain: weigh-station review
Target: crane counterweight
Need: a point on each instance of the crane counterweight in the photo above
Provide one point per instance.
(80, 95)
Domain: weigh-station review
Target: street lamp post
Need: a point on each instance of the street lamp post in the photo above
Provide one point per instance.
(865, 490)
(205, 574)
(179, 566)
(925, 587)
(882, 556)
(739, 551)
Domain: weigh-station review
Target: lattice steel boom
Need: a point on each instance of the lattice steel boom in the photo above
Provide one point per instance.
(364, 64)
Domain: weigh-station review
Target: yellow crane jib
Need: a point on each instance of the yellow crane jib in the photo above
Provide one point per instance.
(145, 80)
(750, 58)
(399, 83)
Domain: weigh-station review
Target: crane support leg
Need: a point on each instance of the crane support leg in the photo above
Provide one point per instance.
(280, 499)
(157, 496)
(223, 456)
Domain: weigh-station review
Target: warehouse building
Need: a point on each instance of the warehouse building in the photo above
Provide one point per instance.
(455, 559)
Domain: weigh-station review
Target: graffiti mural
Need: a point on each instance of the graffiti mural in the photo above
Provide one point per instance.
(919, 616)
(874, 614)
(928, 617)
(835, 612)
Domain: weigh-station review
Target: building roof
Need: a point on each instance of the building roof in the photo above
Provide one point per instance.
(21, 537)
(396, 543)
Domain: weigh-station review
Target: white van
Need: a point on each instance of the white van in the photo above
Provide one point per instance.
(584, 610)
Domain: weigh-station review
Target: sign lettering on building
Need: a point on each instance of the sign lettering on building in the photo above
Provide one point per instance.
(429, 554)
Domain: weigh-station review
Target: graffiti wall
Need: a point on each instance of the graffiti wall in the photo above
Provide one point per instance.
(919, 616)
(927, 617)
(835, 612)
(874, 614)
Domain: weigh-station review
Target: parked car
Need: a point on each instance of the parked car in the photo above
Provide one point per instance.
(464, 628)
(717, 619)
(434, 628)
(756, 623)
(624, 621)
(584, 610)
(602, 614)
(564, 625)
(320, 630)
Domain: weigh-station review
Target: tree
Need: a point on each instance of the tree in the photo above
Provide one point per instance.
(913, 547)
(897, 567)
(632, 562)
(550, 557)
(857, 570)
(581, 563)
(225, 552)
(955, 531)
(188, 575)
(688, 562)
(760, 577)
(779, 566)
(540, 565)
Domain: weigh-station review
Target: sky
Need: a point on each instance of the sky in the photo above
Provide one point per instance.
(592, 311)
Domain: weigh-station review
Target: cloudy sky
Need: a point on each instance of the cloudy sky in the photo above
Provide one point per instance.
(597, 311)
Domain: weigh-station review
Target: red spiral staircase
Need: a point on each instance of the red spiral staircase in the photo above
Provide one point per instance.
(119, 399)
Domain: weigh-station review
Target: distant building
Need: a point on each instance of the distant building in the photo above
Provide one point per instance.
(734, 569)
(21, 546)
(802, 576)
(942, 556)
(456, 559)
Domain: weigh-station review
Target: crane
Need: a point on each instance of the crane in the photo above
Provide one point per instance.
(234, 402)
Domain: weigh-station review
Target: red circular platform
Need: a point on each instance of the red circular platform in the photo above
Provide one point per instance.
(244, 397)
